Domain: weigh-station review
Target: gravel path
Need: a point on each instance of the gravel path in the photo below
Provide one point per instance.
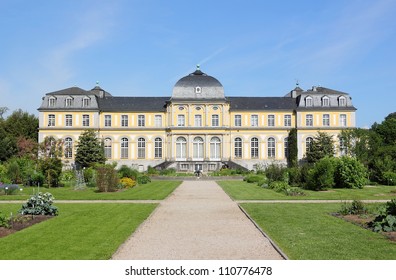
(198, 221)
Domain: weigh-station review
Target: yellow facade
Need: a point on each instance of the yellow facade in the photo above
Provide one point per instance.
(198, 127)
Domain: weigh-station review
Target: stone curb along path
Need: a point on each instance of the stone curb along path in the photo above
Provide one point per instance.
(197, 222)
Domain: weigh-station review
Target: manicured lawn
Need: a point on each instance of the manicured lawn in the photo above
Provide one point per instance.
(156, 190)
(80, 232)
(240, 190)
(308, 232)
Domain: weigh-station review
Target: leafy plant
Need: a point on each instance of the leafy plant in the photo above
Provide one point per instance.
(144, 179)
(39, 204)
(355, 208)
(107, 179)
(321, 176)
(5, 221)
(252, 178)
(386, 221)
(350, 173)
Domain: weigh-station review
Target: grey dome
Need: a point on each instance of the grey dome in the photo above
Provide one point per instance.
(198, 85)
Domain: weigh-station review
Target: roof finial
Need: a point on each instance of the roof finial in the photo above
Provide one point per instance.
(198, 67)
(297, 83)
(97, 83)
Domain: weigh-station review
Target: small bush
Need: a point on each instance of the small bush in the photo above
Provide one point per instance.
(127, 183)
(294, 176)
(5, 221)
(37, 179)
(350, 173)
(355, 208)
(106, 179)
(321, 176)
(276, 172)
(144, 179)
(129, 172)
(253, 178)
(278, 186)
(151, 170)
(9, 189)
(294, 191)
(39, 204)
(168, 172)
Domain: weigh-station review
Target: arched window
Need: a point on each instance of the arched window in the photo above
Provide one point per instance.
(215, 149)
(141, 147)
(286, 146)
(181, 148)
(308, 143)
(68, 147)
(158, 147)
(254, 147)
(325, 101)
(271, 147)
(124, 147)
(107, 147)
(198, 148)
(238, 147)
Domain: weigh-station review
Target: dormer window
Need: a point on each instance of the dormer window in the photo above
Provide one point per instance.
(51, 102)
(308, 101)
(68, 102)
(342, 101)
(198, 90)
(86, 102)
(325, 101)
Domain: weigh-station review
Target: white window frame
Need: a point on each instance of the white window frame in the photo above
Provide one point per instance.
(215, 120)
(254, 120)
(271, 120)
(69, 120)
(124, 120)
(181, 120)
(107, 122)
(198, 120)
(287, 120)
(254, 147)
(343, 120)
(51, 120)
(85, 120)
(141, 120)
(326, 119)
(238, 120)
(309, 120)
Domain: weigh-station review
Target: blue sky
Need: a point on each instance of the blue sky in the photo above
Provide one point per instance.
(254, 48)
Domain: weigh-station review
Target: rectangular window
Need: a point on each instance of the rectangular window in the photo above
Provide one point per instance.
(68, 102)
(51, 102)
(287, 120)
(86, 102)
(215, 120)
(198, 120)
(184, 166)
(254, 120)
(343, 120)
(238, 120)
(326, 120)
(271, 120)
(309, 120)
(158, 120)
(124, 120)
(85, 120)
(141, 120)
(69, 120)
(108, 120)
(181, 120)
(51, 120)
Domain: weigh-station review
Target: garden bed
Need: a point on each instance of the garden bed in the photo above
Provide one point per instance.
(364, 221)
(22, 221)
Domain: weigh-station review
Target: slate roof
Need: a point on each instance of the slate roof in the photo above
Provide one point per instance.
(133, 104)
(261, 103)
(70, 91)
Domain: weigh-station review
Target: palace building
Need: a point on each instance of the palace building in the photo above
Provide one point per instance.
(197, 127)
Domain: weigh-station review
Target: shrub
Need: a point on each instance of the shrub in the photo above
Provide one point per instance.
(389, 178)
(127, 183)
(252, 178)
(168, 172)
(126, 171)
(350, 173)
(39, 204)
(106, 179)
(278, 186)
(294, 191)
(355, 208)
(37, 179)
(294, 176)
(276, 172)
(152, 170)
(321, 176)
(5, 221)
(144, 179)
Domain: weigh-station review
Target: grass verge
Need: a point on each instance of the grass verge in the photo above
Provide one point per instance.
(309, 232)
(240, 190)
(80, 232)
(156, 190)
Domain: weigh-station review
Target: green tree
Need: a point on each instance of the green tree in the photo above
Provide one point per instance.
(321, 175)
(22, 124)
(321, 146)
(292, 149)
(50, 163)
(89, 149)
(8, 146)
